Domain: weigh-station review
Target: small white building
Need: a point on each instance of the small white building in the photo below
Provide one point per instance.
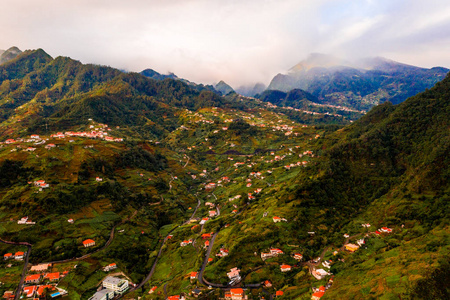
(105, 294)
(116, 284)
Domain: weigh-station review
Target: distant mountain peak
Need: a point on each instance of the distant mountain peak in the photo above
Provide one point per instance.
(9, 54)
(223, 87)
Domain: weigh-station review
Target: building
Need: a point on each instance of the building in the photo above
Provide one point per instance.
(185, 243)
(233, 273)
(317, 295)
(116, 284)
(276, 219)
(176, 297)
(29, 290)
(235, 294)
(285, 268)
(298, 256)
(52, 276)
(33, 278)
(152, 290)
(19, 255)
(193, 275)
(351, 247)
(279, 293)
(110, 267)
(40, 268)
(319, 273)
(104, 294)
(8, 256)
(88, 243)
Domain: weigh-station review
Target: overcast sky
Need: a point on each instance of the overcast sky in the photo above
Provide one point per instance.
(239, 41)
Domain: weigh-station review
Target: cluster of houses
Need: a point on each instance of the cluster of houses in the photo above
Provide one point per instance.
(111, 287)
(40, 281)
(16, 256)
(319, 292)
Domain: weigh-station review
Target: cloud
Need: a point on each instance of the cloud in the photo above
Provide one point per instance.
(238, 41)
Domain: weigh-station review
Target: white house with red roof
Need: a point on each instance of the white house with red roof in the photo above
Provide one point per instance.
(88, 243)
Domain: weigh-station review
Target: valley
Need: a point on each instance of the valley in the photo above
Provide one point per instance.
(179, 191)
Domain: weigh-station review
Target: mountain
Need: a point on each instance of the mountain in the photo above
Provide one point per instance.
(157, 76)
(223, 88)
(251, 90)
(177, 186)
(9, 54)
(359, 85)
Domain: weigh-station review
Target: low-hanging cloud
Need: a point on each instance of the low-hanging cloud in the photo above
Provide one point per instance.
(240, 42)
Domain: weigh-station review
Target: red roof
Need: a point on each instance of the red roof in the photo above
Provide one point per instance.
(32, 277)
(88, 241)
(237, 291)
(52, 276)
(318, 294)
(43, 287)
(322, 289)
(7, 255)
(279, 293)
(19, 253)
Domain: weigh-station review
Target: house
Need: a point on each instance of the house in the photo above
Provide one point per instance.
(360, 242)
(298, 256)
(212, 213)
(206, 236)
(176, 297)
(235, 294)
(40, 268)
(110, 267)
(196, 292)
(276, 219)
(116, 284)
(36, 278)
(98, 179)
(276, 251)
(34, 136)
(50, 288)
(346, 235)
(319, 273)
(234, 273)
(203, 221)
(223, 252)
(267, 284)
(206, 244)
(385, 229)
(9, 295)
(317, 295)
(19, 255)
(88, 243)
(8, 256)
(152, 290)
(279, 293)
(285, 268)
(351, 247)
(10, 141)
(105, 294)
(29, 290)
(193, 275)
(70, 221)
(49, 146)
(52, 276)
(185, 243)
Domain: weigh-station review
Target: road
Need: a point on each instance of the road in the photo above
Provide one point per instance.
(152, 270)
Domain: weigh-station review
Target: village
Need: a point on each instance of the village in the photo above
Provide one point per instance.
(226, 191)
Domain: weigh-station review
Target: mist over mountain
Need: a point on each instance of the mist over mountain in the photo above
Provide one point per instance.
(360, 84)
(251, 90)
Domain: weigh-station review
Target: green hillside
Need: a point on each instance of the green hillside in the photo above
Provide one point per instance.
(137, 164)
